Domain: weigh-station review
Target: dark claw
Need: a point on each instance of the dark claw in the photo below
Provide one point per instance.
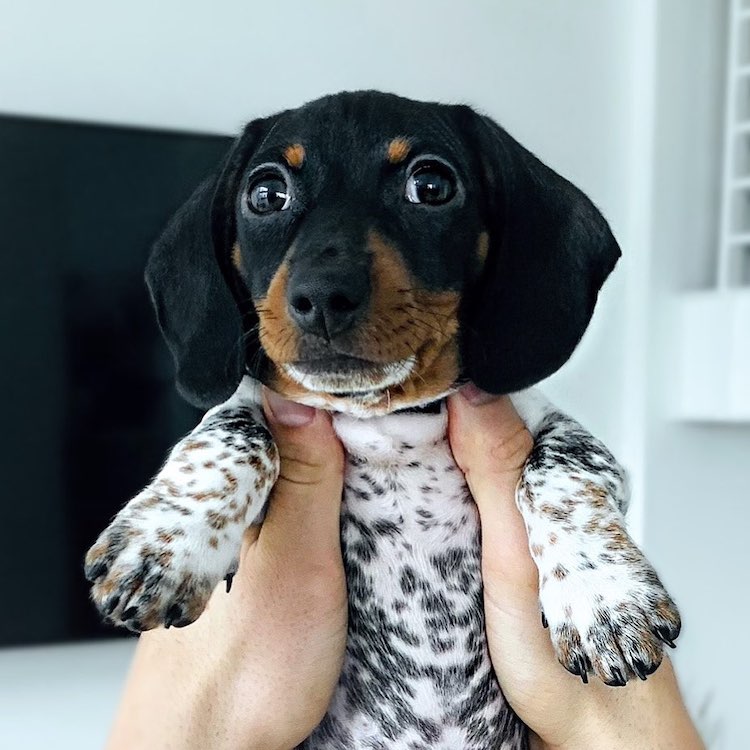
(129, 613)
(583, 669)
(641, 669)
(574, 668)
(111, 604)
(173, 616)
(95, 571)
(176, 618)
(229, 578)
(618, 680)
(545, 624)
(664, 635)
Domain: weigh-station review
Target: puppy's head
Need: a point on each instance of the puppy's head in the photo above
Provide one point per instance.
(366, 253)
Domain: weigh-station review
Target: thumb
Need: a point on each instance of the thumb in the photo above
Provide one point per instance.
(309, 449)
(491, 444)
(488, 439)
(306, 500)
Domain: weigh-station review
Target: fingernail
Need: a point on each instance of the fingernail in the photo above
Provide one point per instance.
(288, 413)
(475, 396)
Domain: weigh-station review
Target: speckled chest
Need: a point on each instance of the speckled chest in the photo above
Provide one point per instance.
(417, 672)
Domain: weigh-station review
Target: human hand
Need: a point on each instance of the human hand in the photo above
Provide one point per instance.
(491, 444)
(258, 668)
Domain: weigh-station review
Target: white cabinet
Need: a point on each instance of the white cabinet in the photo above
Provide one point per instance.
(714, 324)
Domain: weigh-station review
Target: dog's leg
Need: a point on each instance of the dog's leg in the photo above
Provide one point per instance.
(607, 610)
(165, 551)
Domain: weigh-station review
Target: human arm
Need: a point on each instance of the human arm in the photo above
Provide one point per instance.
(491, 446)
(257, 669)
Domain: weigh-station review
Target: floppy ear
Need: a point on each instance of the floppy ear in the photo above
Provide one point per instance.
(550, 251)
(187, 278)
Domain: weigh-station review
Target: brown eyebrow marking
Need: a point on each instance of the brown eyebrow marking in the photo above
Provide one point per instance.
(398, 150)
(294, 155)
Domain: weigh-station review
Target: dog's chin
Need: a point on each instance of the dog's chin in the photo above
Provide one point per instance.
(349, 376)
(354, 386)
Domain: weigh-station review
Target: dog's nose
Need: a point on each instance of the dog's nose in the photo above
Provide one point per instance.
(327, 305)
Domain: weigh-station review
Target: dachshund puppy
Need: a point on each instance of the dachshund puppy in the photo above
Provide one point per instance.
(368, 254)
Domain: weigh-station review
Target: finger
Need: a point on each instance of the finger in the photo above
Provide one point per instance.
(491, 445)
(304, 508)
(248, 540)
(309, 449)
(487, 436)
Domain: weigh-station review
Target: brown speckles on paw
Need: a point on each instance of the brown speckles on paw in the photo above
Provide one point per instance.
(618, 638)
(595, 496)
(216, 520)
(151, 501)
(166, 486)
(195, 445)
(164, 536)
(559, 572)
(231, 481)
(138, 587)
(556, 512)
(164, 558)
(205, 496)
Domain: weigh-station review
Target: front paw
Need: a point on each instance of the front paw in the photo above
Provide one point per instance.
(154, 567)
(610, 620)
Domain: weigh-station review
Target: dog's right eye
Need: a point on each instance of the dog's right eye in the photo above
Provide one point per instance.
(431, 183)
(267, 193)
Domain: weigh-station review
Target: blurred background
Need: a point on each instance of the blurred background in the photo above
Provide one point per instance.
(110, 114)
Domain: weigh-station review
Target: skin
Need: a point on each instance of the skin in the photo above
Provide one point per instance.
(274, 646)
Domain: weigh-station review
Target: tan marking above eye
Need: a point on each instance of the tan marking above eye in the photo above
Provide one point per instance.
(398, 150)
(294, 155)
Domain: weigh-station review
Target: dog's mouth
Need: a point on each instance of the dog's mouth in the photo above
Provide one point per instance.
(345, 376)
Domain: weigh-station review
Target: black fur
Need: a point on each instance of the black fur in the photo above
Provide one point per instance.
(550, 252)
(187, 277)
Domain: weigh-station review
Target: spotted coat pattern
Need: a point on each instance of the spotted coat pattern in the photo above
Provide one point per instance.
(159, 560)
(417, 672)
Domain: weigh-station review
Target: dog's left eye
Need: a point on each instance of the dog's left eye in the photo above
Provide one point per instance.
(267, 193)
(432, 183)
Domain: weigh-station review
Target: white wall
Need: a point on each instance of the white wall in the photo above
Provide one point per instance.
(697, 512)
(60, 697)
(573, 81)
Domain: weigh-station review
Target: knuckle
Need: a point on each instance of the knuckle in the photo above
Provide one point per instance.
(511, 451)
(304, 464)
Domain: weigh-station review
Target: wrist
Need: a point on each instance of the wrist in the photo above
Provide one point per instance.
(646, 715)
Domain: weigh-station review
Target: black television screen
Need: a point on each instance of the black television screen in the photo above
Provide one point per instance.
(90, 404)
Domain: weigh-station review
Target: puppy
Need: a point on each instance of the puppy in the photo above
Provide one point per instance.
(368, 254)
